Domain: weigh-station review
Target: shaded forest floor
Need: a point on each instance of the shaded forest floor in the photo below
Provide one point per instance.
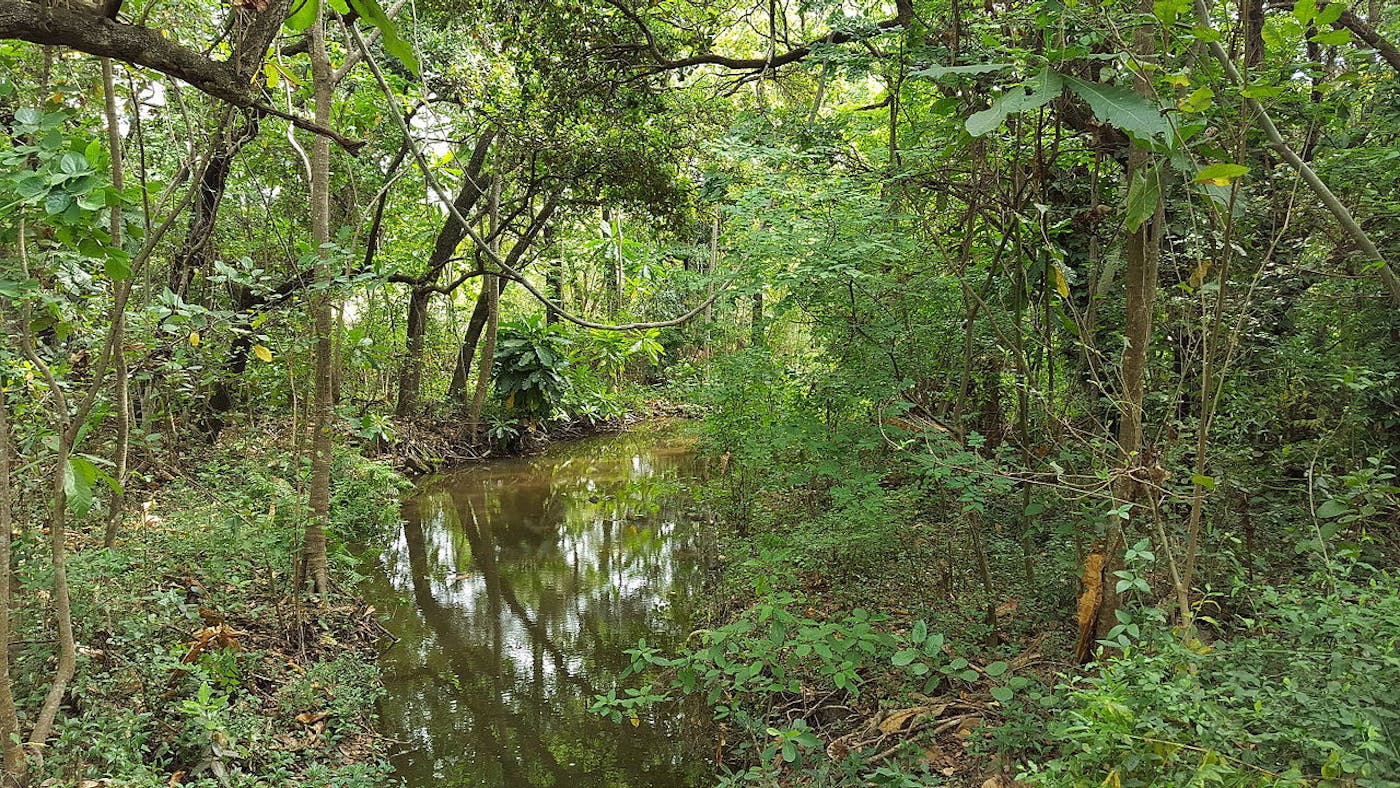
(199, 664)
(872, 650)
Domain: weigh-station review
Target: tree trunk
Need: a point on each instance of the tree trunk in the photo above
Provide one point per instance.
(314, 562)
(411, 376)
(64, 424)
(756, 320)
(13, 769)
(467, 353)
(117, 505)
(1142, 253)
(554, 281)
(493, 317)
(444, 248)
(488, 353)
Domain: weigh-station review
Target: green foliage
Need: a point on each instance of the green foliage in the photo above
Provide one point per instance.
(531, 359)
(1303, 691)
(755, 665)
(211, 551)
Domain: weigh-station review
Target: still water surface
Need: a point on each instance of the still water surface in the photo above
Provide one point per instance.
(514, 587)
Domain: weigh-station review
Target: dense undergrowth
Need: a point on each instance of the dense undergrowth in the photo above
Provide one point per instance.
(198, 664)
(887, 614)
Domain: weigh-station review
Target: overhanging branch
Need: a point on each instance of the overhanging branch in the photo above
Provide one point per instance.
(38, 23)
(904, 15)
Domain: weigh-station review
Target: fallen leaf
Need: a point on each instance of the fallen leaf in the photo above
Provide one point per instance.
(311, 717)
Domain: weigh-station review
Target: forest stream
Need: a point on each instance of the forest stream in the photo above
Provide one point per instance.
(514, 588)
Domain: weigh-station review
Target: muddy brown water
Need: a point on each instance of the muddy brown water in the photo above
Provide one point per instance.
(514, 588)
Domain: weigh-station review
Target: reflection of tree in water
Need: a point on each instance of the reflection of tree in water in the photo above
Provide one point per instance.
(496, 670)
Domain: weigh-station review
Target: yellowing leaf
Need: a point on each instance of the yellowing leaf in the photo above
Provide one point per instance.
(1199, 100)
(1220, 174)
(1199, 274)
(194, 338)
(635, 721)
(1178, 80)
(262, 352)
(274, 78)
(1061, 284)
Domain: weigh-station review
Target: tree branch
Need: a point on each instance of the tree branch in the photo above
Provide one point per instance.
(1319, 188)
(1387, 50)
(507, 270)
(37, 23)
(904, 14)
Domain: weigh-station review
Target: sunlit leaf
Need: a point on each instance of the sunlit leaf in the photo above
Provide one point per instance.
(1220, 174)
(1144, 195)
(1122, 107)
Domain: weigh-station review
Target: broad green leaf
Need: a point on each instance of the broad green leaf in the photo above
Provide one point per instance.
(1144, 193)
(1122, 107)
(1200, 100)
(1206, 35)
(1331, 508)
(1332, 37)
(1167, 11)
(937, 72)
(1220, 174)
(996, 668)
(920, 633)
(117, 267)
(1043, 87)
(77, 484)
(303, 15)
(394, 44)
(904, 656)
(1207, 482)
(1329, 14)
(1002, 694)
(1305, 10)
(1260, 91)
(16, 288)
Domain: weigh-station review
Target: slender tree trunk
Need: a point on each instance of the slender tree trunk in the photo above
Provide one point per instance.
(493, 316)
(710, 270)
(488, 353)
(467, 353)
(411, 376)
(1142, 253)
(64, 423)
(756, 320)
(13, 762)
(554, 281)
(121, 381)
(314, 561)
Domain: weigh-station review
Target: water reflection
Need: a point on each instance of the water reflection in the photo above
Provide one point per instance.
(514, 588)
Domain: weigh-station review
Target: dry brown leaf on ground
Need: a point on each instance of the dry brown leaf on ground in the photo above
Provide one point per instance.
(907, 719)
(213, 639)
